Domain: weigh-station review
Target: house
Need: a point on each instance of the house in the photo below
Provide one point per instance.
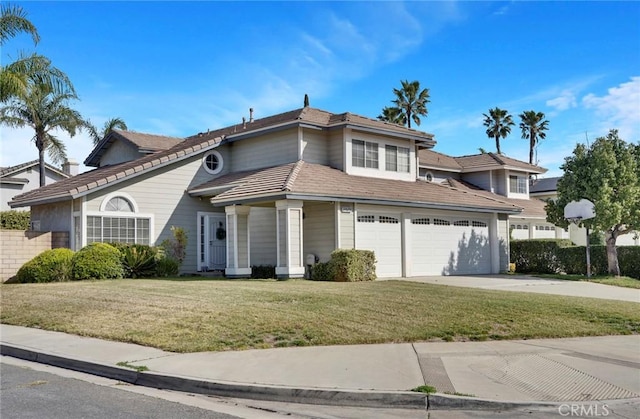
(499, 177)
(21, 178)
(275, 190)
(121, 146)
(547, 188)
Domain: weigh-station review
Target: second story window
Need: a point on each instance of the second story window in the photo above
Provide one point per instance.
(397, 159)
(364, 154)
(517, 184)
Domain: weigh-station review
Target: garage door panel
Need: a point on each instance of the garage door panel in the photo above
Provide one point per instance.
(441, 249)
(382, 234)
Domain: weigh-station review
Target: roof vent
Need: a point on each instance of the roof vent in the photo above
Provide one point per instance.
(244, 122)
(250, 115)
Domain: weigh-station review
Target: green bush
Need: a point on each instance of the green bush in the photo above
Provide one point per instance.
(138, 261)
(352, 265)
(323, 271)
(15, 220)
(629, 260)
(573, 260)
(263, 272)
(540, 256)
(166, 266)
(97, 261)
(49, 266)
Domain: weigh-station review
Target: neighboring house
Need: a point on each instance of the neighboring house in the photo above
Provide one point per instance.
(547, 188)
(121, 146)
(496, 176)
(21, 178)
(272, 191)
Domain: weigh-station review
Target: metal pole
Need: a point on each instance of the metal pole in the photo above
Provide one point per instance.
(588, 256)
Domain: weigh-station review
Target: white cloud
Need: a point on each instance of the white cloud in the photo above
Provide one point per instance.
(619, 109)
(566, 100)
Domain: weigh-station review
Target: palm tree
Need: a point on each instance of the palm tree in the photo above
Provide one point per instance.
(110, 125)
(44, 110)
(498, 124)
(411, 102)
(391, 114)
(533, 128)
(13, 20)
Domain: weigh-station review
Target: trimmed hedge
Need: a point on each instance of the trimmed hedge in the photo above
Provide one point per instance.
(97, 261)
(346, 265)
(49, 266)
(15, 220)
(554, 256)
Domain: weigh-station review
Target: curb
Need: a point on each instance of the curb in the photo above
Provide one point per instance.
(355, 398)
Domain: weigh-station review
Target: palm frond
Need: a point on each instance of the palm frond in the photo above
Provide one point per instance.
(13, 21)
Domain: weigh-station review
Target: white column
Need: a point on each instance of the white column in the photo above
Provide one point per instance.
(289, 226)
(494, 240)
(407, 240)
(238, 256)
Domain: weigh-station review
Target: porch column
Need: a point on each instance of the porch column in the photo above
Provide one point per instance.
(238, 257)
(290, 261)
(494, 242)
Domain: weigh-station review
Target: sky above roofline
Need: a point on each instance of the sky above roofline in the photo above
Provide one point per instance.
(179, 68)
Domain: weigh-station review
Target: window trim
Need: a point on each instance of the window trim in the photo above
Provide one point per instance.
(395, 149)
(520, 181)
(109, 197)
(220, 162)
(374, 146)
(103, 213)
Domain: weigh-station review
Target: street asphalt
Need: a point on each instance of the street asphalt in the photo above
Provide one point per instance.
(467, 375)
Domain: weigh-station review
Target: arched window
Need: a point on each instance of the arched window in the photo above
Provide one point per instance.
(118, 221)
(119, 204)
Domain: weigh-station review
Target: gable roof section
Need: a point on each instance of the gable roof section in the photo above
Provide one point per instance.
(531, 208)
(487, 161)
(93, 180)
(6, 172)
(434, 160)
(303, 180)
(549, 184)
(316, 118)
(145, 143)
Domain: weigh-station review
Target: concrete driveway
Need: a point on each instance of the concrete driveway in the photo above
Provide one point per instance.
(524, 283)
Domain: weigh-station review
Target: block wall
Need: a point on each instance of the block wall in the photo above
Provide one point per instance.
(18, 247)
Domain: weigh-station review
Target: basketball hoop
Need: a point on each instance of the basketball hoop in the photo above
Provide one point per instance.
(575, 212)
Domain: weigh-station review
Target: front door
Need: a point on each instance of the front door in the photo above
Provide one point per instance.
(217, 243)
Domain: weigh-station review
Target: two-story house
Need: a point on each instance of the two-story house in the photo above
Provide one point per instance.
(271, 191)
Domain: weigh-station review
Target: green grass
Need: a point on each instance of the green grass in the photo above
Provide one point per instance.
(621, 281)
(192, 316)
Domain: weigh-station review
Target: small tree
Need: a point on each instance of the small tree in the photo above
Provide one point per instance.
(176, 247)
(607, 174)
(533, 128)
(498, 123)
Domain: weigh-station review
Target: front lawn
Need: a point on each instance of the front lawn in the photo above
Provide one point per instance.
(191, 316)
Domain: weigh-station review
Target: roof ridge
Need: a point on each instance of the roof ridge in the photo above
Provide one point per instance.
(293, 175)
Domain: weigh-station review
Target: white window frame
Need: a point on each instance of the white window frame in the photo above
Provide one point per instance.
(369, 149)
(220, 166)
(117, 214)
(520, 183)
(392, 158)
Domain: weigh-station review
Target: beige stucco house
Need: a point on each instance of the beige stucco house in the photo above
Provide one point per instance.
(274, 190)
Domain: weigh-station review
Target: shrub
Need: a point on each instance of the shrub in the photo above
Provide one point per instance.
(263, 272)
(97, 261)
(49, 266)
(573, 260)
(352, 265)
(629, 260)
(176, 246)
(15, 220)
(166, 266)
(323, 271)
(138, 261)
(538, 256)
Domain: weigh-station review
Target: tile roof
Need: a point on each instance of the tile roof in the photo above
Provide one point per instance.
(434, 159)
(143, 142)
(486, 160)
(82, 184)
(308, 179)
(105, 176)
(7, 171)
(531, 208)
(549, 184)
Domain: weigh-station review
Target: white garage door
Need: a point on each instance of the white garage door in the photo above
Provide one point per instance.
(381, 233)
(449, 246)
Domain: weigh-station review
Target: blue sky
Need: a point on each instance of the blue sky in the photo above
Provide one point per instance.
(179, 68)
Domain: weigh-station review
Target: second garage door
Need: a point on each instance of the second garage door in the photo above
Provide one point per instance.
(449, 246)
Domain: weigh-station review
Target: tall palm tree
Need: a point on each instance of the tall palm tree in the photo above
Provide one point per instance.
(498, 124)
(13, 20)
(391, 114)
(110, 125)
(44, 110)
(533, 128)
(411, 102)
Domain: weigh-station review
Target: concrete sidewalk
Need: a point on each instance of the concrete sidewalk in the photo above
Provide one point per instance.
(488, 374)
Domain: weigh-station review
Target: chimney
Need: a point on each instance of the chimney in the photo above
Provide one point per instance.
(250, 115)
(71, 167)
